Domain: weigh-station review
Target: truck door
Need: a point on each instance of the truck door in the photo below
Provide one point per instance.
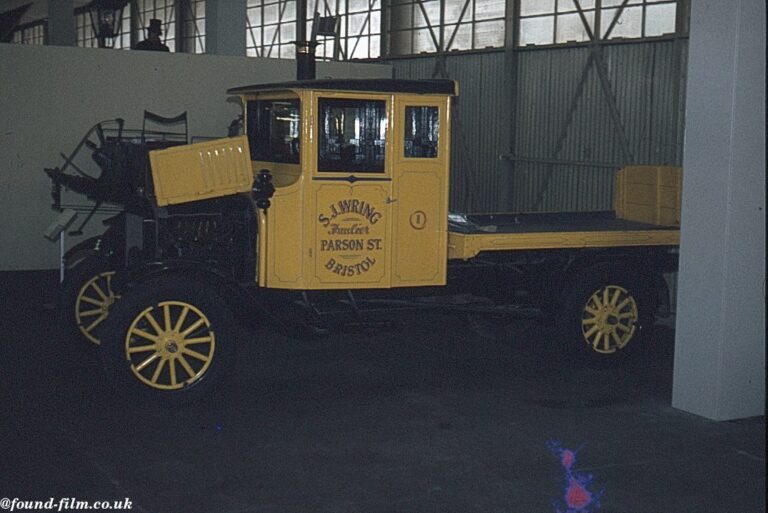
(352, 187)
(421, 165)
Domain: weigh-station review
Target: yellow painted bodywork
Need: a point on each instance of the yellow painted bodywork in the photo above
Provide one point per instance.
(201, 171)
(420, 209)
(649, 194)
(465, 246)
(380, 230)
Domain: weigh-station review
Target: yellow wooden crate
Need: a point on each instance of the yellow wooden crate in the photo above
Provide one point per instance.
(205, 170)
(649, 194)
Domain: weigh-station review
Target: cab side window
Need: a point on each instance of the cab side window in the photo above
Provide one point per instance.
(352, 135)
(422, 131)
(273, 130)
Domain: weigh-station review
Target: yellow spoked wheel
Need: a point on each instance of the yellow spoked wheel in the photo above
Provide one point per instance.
(93, 302)
(609, 319)
(170, 346)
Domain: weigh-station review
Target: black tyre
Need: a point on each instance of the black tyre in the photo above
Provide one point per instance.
(169, 340)
(607, 311)
(86, 297)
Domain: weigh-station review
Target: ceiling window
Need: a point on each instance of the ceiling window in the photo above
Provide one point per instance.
(34, 33)
(135, 20)
(548, 22)
(271, 28)
(193, 26)
(163, 10)
(428, 26)
(358, 28)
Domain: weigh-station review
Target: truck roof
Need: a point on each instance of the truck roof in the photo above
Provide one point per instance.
(379, 85)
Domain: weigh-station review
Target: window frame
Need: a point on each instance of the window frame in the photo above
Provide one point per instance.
(438, 143)
(444, 31)
(388, 154)
(32, 33)
(285, 22)
(185, 32)
(141, 13)
(248, 123)
(600, 23)
(271, 34)
(191, 15)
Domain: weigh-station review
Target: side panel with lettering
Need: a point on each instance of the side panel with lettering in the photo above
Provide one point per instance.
(351, 243)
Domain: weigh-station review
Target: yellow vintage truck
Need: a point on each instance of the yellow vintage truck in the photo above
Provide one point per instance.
(334, 203)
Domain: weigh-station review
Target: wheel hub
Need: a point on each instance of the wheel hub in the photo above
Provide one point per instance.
(608, 319)
(107, 304)
(170, 346)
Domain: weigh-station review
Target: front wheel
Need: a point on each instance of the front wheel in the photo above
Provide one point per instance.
(168, 340)
(607, 311)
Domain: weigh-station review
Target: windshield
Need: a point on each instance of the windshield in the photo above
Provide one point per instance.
(273, 130)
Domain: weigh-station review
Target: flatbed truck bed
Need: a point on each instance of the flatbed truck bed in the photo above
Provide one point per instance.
(470, 235)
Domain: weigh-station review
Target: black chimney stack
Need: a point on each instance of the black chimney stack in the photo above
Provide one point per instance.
(305, 50)
(305, 60)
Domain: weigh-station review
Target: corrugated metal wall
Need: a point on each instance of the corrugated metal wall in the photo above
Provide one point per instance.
(479, 179)
(646, 82)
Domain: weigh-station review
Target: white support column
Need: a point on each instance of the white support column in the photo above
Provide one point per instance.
(720, 347)
(225, 27)
(61, 23)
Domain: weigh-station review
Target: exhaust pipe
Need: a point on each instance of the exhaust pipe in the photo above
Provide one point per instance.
(305, 60)
(305, 49)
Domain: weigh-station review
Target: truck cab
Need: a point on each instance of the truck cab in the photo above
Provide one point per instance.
(361, 170)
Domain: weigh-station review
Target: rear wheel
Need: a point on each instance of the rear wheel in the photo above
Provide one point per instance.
(608, 311)
(168, 340)
(86, 297)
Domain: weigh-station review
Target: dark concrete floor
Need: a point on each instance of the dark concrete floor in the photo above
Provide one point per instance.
(432, 418)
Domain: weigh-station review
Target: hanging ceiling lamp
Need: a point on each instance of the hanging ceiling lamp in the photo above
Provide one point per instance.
(106, 19)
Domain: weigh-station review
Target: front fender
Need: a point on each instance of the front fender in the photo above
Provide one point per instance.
(132, 276)
(109, 244)
(231, 292)
(80, 252)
